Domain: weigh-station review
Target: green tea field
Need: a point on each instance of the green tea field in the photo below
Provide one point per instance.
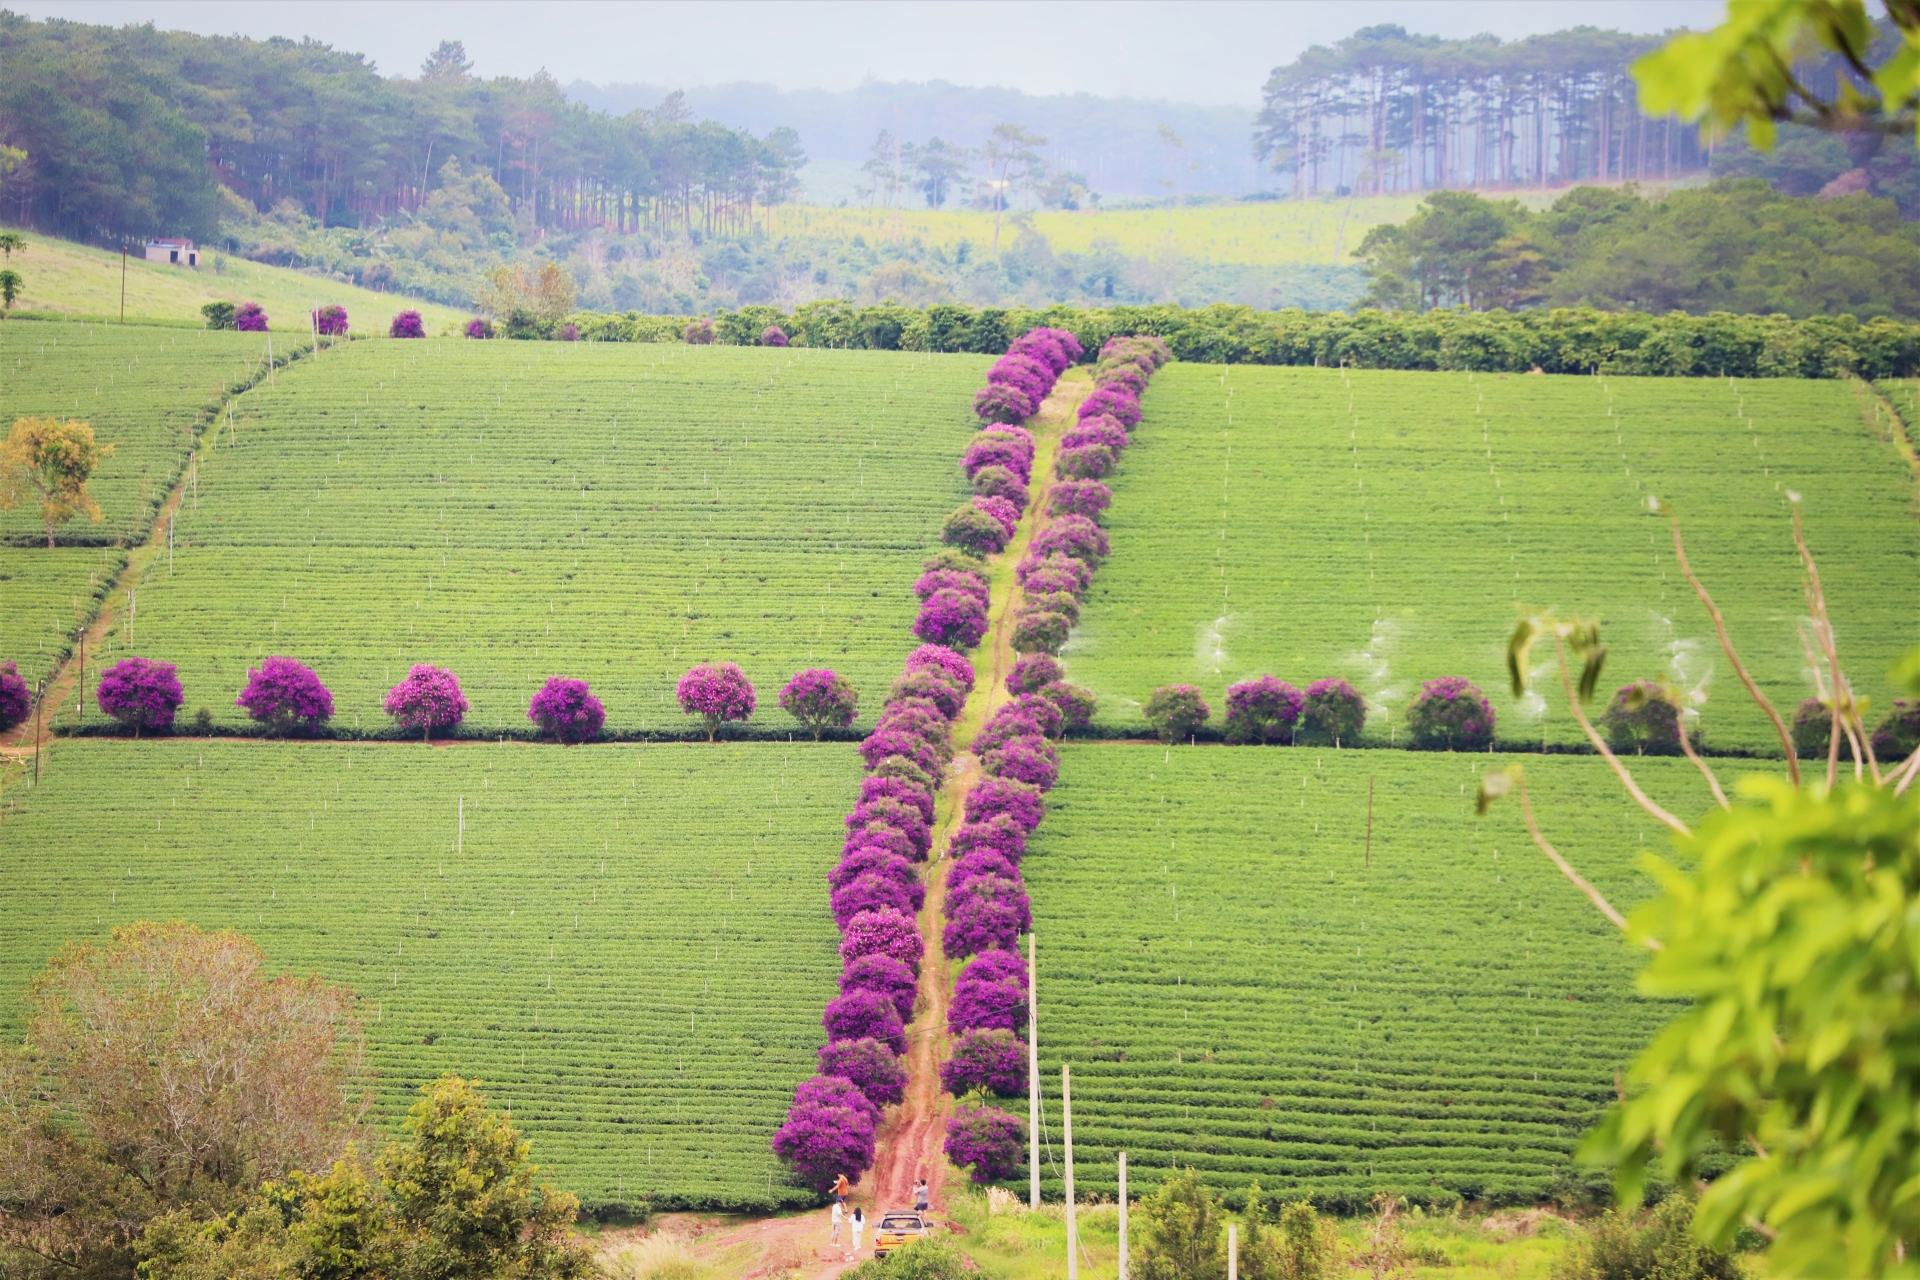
(1385, 527)
(1243, 988)
(629, 944)
(520, 510)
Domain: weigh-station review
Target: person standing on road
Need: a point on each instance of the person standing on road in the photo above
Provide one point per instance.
(859, 1222)
(840, 1189)
(839, 1212)
(920, 1195)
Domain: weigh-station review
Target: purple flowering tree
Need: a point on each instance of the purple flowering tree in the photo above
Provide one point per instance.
(250, 318)
(1113, 402)
(140, 693)
(1040, 631)
(894, 813)
(1076, 705)
(1031, 706)
(1898, 733)
(885, 976)
(330, 321)
(876, 747)
(887, 933)
(699, 333)
(1018, 801)
(1127, 376)
(1334, 709)
(868, 859)
(998, 482)
(1812, 729)
(1044, 575)
(999, 1005)
(1079, 498)
(962, 580)
(988, 1058)
(974, 531)
(880, 835)
(1263, 710)
(1099, 430)
(567, 333)
(978, 863)
(1643, 719)
(1450, 714)
(1040, 346)
(1176, 710)
(899, 789)
(407, 325)
(820, 700)
(1001, 402)
(988, 1139)
(1032, 672)
(904, 769)
(870, 1066)
(16, 702)
(1084, 462)
(829, 1132)
(1002, 510)
(286, 696)
(990, 912)
(773, 336)
(1021, 762)
(928, 684)
(999, 834)
(859, 1015)
(1074, 536)
(428, 699)
(567, 710)
(951, 618)
(479, 329)
(943, 659)
(998, 449)
(719, 693)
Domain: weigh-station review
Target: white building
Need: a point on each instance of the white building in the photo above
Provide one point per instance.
(176, 252)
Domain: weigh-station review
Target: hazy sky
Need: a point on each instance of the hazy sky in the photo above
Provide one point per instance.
(1208, 51)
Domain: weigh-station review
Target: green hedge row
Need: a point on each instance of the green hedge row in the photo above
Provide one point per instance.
(1564, 341)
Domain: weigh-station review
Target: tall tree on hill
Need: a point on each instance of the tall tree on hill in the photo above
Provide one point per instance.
(1011, 157)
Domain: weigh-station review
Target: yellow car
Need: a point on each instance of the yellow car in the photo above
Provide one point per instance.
(897, 1228)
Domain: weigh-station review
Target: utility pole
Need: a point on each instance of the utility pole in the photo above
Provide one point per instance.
(123, 282)
(1033, 1079)
(1066, 1140)
(1123, 1215)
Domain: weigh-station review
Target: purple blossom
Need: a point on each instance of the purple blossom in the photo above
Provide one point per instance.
(906, 770)
(1064, 603)
(1263, 710)
(479, 329)
(1032, 706)
(428, 699)
(1153, 351)
(876, 747)
(1114, 402)
(773, 336)
(1898, 733)
(951, 618)
(869, 893)
(1022, 763)
(717, 693)
(1642, 718)
(1078, 498)
(1001, 402)
(899, 789)
(568, 710)
(988, 1139)
(986, 913)
(929, 684)
(140, 693)
(1076, 705)
(888, 933)
(973, 531)
(997, 449)
(829, 1132)
(250, 318)
(882, 836)
(1130, 378)
(1041, 346)
(1001, 1005)
(943, 659)
(1033, 671)
(1003, 729)
(868, 859)
(286, 696)
(885, 976)
(820, 699)
(1098, 430)
(1000, 834)
(1002, 510)
(995, 966)
(568, 333)
(1053, 573)
(998, 482)
(920, 717)
(1003, 795)
(1084, 462)
(1069, 344)
(870, 1066)
(1334, 708)
(1074, 536)
(330, 321)
(860, 1014)
(1029, 375)
(407, 325)
(1450, 713)
(894, 813)
(960, 580)
(989, 1058)
(16, 703)
(1176, 710)
(699, 333)
(978, 863)
(1040, 631)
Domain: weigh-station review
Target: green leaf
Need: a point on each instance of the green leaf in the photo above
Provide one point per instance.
(1519, 647)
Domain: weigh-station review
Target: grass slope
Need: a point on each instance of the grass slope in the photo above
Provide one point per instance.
(1238, 991)
(1384, 526)
(519, 510)
(76, 279)
(630, 945)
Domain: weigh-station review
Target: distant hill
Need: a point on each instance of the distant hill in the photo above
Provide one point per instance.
(1115, 142)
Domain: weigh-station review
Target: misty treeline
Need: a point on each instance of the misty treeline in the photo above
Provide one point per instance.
(1385, 110)
(133, 131)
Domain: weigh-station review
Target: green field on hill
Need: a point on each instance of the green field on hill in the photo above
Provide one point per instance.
(629, 944)
(1239, 991)
(519, 510)
(1385, 527)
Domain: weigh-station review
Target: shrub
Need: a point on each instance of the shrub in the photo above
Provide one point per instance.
(1451, 713)
(250, 318)
(994, 450)
(921, 1258)
(869, 1065)
(407, 325)
(999, 482)
(1176, 711)
(1183, 1235)
(479, 330)
(996, 796)
(1074, 536)
(820, 700)
(286, 696)
(567, 333)
(1334, 709)
(1642, 720)
(1002, 510)
(951, 618)
(1099, 430)
(1076, 705)
(938, 658)
(1624, 1245)
(1045, 574)
(568, 710)
(1040, 632)
(953, 558)
(887, 933)
(1078, 498)
(999, 834)
(1022, 764)
(1112, 402)
(716, 692)
(869, 893)
(16, 702)
(899, 789)
(929, 684)
(1898, 732)
(904, 769)
(990, 1058)
(1262, 710)
(986, 1138)
(858, 1015)
(1033, 672)
(699, 333)
(883, 975)
(1084, 462)
(828, 1132)
(1812, 729)
(1000, 402)
(428, 699)
(140, 693)
(330, 321)
(773, 336)
(974, 530)
(218, 315)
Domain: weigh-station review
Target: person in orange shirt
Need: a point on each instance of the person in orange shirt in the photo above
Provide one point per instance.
(841, 1187)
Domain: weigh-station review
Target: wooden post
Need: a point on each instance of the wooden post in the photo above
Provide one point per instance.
(1369, 856)
(1233, 1252)
(1033, 1079)
(1066, 1140)
(80, 689)
(123, 284)
(1123, 1215)
(38, 695)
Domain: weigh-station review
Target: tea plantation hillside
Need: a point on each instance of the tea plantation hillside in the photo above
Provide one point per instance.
(146, 391)
(1385, 526)
(513, 511)
(1243, 988)
(629, 944)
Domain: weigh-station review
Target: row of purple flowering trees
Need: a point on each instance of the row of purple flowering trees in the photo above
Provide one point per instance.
(1450, 714)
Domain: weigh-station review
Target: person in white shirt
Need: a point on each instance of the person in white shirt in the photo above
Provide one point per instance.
(859, 1222)
(839, 1212)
